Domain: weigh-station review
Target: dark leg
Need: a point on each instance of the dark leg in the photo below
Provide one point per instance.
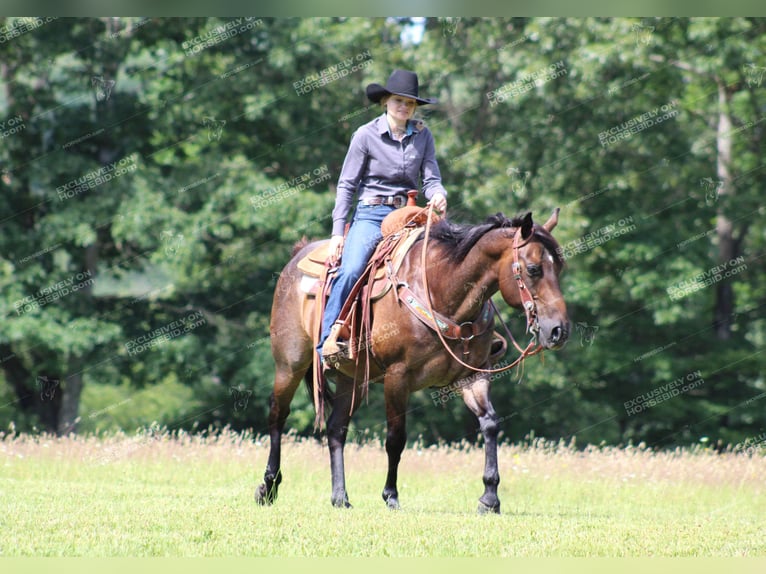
(397, 397)
(476, 397)
(346, 402)
(285, 384)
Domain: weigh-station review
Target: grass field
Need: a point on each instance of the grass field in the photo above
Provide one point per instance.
(160, 495)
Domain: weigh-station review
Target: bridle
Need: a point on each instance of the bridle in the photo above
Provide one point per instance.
(527, 301)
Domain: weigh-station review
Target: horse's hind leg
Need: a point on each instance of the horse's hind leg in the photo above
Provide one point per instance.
(286, 382)
(397, 398)
(476, 398)
(347, 399)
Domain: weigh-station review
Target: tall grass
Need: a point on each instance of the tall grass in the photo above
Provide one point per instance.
(162, 494)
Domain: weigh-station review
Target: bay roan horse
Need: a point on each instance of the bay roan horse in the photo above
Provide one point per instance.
(466, 265)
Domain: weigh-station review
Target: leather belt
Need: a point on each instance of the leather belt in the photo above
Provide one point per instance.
(395, 200)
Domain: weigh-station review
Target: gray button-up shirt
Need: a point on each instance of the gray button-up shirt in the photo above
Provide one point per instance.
(377, 164)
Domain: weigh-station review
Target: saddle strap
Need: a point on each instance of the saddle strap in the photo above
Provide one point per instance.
(450, 329)
(319, 380)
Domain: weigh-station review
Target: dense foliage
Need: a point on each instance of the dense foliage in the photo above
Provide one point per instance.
(157, 172)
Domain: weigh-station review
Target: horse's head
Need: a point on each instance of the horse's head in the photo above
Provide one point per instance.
(538, 258)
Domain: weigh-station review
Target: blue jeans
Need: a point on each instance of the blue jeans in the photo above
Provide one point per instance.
(363, 236)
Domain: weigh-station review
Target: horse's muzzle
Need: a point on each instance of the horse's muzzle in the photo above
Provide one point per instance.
(553, 334)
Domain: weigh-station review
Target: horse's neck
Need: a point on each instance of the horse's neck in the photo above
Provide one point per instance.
(465, 286)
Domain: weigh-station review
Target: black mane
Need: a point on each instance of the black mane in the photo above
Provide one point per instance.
(458, 239)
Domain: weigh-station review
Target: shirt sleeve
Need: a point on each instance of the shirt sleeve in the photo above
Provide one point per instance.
(348, 182)
(429, 171)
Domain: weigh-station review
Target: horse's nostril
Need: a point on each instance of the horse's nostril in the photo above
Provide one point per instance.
(555, 334)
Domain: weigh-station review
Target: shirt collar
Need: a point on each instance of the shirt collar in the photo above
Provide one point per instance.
(413, 126)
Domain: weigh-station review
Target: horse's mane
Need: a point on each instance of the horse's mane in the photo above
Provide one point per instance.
(458, 239)
(300, 244)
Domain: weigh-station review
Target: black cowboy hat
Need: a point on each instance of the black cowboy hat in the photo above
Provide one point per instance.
(400, 83)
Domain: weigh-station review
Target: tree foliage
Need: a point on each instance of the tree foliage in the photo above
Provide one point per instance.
(156, 174)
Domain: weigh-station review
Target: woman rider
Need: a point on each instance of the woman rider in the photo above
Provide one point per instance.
(387, 157)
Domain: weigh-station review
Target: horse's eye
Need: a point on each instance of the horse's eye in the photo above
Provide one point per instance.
(534, 270)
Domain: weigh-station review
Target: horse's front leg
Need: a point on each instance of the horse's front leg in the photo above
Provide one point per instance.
(476, 398)
(346, 402)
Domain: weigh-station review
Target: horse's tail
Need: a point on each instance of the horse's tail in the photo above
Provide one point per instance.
(326, 397)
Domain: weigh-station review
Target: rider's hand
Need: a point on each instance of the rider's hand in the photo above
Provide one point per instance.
(336, 249)
(439, 201)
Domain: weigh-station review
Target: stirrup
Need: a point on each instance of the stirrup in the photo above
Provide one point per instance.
(331, 345)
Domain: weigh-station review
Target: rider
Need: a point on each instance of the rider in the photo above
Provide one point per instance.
(386, 157)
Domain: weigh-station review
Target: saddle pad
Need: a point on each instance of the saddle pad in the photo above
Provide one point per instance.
(309, 284)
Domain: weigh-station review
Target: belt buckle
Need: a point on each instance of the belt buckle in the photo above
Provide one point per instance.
(398, 201)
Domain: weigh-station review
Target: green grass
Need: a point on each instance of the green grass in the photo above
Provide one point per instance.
(193, 496)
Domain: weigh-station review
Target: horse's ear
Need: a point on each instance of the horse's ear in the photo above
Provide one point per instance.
(526, 226)
(552, 220)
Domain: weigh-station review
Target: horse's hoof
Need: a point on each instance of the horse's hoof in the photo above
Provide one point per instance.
(343, 503)
(486, 509)
(262, 496)
(392, 503)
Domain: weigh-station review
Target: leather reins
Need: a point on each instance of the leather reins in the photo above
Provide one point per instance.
(527, 300)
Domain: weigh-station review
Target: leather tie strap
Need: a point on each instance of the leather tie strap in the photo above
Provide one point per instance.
(465, 331)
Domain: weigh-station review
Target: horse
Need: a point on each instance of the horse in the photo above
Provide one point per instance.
(466, 265)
